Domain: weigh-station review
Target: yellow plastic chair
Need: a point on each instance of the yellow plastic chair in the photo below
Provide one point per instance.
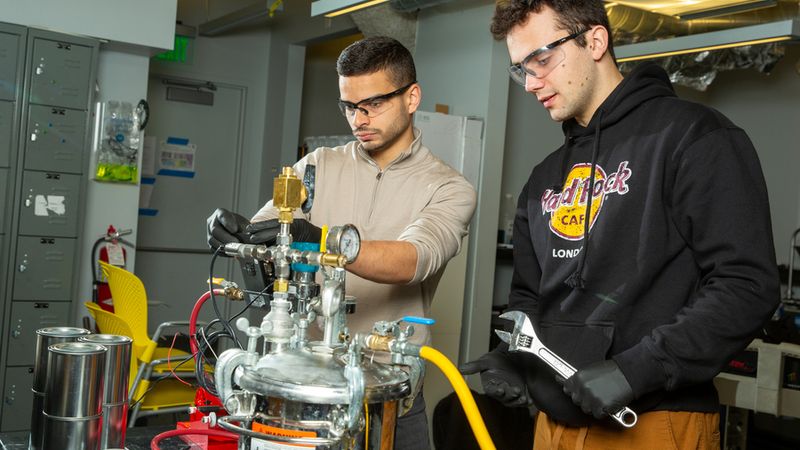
(130, 303)
(149, 397)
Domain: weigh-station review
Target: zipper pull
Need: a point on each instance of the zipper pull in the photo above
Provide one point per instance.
(379, 175)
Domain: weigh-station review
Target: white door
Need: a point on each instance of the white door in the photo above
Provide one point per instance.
(172, 256)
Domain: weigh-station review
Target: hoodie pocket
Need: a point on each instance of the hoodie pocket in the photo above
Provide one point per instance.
(578, 344)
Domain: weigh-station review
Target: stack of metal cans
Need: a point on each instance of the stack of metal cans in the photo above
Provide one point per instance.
(80, 390)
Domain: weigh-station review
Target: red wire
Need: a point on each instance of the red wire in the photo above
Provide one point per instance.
(169, 363)
(172, 433)
(193, 319)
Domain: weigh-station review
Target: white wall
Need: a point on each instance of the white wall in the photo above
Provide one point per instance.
(149, 23)
(121, 75)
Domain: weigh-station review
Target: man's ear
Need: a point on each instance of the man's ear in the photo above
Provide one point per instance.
(414, 98)
(597, 41)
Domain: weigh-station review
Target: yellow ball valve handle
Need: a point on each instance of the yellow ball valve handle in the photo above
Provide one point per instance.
(322, 240)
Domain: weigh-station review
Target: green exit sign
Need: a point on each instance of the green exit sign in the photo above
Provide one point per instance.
(178, 53)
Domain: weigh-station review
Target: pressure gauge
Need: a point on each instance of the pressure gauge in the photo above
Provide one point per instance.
(344, 240)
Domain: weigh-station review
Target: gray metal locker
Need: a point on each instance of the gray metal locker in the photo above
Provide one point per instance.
(18, 399)
(43, 268)
(50, 203)
(26, 318)
(55, 139)
(9, 56)
(60, 73)
(6, 127)
(4, 213)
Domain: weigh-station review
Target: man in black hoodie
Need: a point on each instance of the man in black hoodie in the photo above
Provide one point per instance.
(672, 270)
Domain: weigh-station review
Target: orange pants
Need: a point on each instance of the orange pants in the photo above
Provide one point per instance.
(673, 430)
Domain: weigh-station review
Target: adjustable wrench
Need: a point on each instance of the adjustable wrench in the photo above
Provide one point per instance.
(524, 339)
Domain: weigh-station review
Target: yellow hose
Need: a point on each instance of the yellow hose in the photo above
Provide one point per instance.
(464, 395)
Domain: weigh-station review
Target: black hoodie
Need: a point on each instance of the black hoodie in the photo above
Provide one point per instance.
(677, 272)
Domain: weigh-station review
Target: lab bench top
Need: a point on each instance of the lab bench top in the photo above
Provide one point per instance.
(137, 438)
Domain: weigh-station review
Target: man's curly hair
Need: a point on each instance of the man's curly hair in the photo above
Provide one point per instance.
(573, 16)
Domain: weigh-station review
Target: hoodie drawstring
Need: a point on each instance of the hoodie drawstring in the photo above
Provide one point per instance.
(567, 154)
(576, 280)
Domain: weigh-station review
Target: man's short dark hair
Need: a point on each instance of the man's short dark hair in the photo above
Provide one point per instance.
(376, 53)
(573, 16)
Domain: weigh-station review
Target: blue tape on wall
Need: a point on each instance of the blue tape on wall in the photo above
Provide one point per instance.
(147, 212)
(148, 180)
(176, 173)
(177, 141)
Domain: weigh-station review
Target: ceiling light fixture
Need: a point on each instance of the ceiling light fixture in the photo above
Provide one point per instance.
(682, 8)
(333, 8)
(782, 31)
(727, 10)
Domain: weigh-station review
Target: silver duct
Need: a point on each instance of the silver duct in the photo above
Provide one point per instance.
(384, 20)
(632, 25)
(396, 19)
(698, 70)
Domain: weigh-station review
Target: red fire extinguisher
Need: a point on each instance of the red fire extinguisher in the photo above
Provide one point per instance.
(112, 251)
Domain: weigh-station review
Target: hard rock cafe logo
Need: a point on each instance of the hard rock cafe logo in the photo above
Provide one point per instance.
(567, 208)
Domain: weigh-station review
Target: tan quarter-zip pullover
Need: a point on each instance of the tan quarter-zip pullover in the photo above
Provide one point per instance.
(417, 198)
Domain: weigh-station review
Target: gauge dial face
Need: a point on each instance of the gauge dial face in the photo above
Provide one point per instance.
(346, 241)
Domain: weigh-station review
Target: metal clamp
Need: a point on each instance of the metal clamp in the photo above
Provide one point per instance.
(225, 423)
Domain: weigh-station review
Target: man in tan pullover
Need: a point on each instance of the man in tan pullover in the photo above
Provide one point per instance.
(411, 209)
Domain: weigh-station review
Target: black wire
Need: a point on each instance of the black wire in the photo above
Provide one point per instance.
(203, 377)
(94, 260)
(204, 342)
(253, 300)
(214, 301)
(153, 383)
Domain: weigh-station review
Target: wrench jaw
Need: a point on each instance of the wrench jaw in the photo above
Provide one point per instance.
(504, 336)
(522, 324)
(523, 337)
(512, 340)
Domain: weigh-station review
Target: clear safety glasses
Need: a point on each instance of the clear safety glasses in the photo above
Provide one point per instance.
(541, 61)
(373, 106)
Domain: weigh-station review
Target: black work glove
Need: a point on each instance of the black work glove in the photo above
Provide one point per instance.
(600, 389)
(502, 378)
(266, 231)
(224, 227)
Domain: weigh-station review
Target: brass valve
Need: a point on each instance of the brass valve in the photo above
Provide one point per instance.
(234, 293)
(378, 342)
(281, 285)
(288, 194)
